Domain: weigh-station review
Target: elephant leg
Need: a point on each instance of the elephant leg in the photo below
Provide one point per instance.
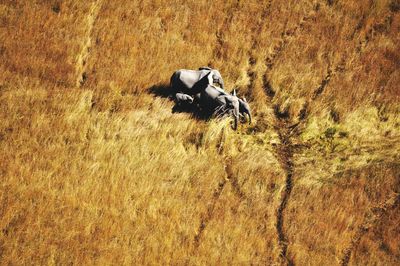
(218, 109)
(197, 98)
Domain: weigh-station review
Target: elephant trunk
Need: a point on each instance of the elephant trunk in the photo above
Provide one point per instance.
(249, 114)
(235, 117)
(235, 122)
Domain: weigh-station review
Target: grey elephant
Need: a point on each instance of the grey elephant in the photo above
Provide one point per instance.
(186, 81)
(222, 103)
(198, 87)
(213, 99)
(182, 98)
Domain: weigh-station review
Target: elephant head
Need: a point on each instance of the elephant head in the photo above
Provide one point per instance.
(217, 78)
(244, 108)
(228, 104)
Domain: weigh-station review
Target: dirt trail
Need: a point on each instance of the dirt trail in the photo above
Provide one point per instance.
(82, 57)
(257, 30)
(287, 131)
(210, 212)
(283, 126)
(376, 29)
(232, 179)
(370, 221)
(286, 35)
(218, 49)
(279, 48)
(284, 153)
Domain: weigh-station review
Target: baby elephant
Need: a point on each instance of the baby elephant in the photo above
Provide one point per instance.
(182, 98)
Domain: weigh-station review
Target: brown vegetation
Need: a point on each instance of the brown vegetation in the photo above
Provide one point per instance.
(95, 168)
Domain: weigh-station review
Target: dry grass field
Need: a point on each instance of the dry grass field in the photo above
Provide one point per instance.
(96, 169)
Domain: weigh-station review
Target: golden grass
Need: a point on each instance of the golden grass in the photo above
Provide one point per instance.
(96, 169)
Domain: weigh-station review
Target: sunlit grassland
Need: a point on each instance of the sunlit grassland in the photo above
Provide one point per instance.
(95, 168)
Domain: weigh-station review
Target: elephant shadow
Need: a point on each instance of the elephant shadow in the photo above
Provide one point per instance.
(165, 91)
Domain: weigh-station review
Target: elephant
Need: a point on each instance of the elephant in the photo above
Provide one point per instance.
(185, 80)
(182, 98)
(220, 102)
(207, 96)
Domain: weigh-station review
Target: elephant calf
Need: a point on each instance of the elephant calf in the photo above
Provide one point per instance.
(182, 98)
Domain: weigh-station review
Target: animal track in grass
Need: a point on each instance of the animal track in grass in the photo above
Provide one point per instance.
(371, 219)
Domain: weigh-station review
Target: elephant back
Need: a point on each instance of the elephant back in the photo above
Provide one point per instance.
(183, 80)
(193, 81)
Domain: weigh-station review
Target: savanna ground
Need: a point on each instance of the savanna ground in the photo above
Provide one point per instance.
(96, 169)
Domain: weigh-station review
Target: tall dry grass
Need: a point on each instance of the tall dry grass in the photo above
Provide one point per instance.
(95, 169)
